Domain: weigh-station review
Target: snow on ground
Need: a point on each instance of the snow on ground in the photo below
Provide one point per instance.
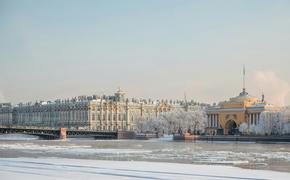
(61, 169)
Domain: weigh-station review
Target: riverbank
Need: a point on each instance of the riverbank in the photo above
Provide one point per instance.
(232, 138)
(60, 169)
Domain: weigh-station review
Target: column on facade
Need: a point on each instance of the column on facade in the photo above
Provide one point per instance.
(83, 122)
(217, 120)
(80, 122)
(59, 116)
(77, 116)
(208, 121)
(63, 116)
(42, 116)
(31, 115)
(84, 119)
(107, 116)
(117, 117)
(72, 115)
(112, 113)
(101, 115)
(248, 120)
(253, 119)
(54, 117)
(127, 116)
(67, 117)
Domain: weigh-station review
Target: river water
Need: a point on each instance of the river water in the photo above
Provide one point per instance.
(274, 156)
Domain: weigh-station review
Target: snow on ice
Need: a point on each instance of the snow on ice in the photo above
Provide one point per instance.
(60, 169)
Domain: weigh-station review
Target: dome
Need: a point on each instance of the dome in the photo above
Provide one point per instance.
(243, 96)
(119, 95)
(120, 92)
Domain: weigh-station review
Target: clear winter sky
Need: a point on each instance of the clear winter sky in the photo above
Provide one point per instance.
(150, 48)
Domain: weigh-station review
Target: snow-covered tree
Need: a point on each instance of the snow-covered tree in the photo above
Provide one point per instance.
(171, 122)
(140, 124)
(243, 128)
(273, 123)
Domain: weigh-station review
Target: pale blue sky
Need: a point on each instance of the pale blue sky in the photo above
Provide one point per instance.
(152, 49)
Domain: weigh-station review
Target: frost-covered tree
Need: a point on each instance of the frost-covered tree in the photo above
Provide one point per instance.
(286, 121)
(273, 123)
(140, 124)
(171, 122)
(243, 128)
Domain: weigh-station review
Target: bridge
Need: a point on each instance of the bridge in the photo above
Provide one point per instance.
(64, 133)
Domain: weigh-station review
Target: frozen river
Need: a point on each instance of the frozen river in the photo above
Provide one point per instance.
(275, 157)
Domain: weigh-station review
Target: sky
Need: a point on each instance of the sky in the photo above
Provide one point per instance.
(157, 49)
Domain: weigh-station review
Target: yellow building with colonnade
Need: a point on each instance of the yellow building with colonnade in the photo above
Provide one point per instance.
(226, 117)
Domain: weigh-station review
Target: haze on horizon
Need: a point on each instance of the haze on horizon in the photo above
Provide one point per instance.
(151, 49)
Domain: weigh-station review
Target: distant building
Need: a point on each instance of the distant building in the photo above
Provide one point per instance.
(6, 113)
(226, 117)
(108, 113)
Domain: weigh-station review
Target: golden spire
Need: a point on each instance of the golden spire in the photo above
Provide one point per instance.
(244, 83)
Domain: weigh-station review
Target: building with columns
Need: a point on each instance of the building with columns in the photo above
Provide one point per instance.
(226, 117)
(106, 113)
(5, 113)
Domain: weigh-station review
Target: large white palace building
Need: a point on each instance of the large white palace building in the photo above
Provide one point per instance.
(108, 113)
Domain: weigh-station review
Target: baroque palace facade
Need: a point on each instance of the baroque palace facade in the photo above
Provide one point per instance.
(108, 113)
(226, 117)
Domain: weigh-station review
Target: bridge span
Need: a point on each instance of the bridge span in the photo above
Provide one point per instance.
(64, 133)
